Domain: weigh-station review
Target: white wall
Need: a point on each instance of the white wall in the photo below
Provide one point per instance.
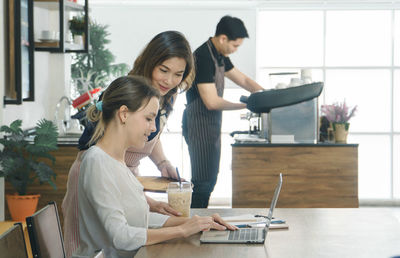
(50, 85)
(52, 73)
(133, 26)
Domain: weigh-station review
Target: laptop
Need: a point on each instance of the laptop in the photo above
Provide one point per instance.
(244, 235)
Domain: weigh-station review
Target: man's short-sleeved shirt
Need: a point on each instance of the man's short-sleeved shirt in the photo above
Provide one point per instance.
(205, 68)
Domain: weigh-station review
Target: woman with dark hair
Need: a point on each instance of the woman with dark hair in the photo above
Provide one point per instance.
(113, 212)
(168, 63)
(162, 61)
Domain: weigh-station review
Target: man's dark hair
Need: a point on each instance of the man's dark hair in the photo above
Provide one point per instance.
(232, 27)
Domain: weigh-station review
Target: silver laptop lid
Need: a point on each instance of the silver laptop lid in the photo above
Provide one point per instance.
(273, 204)
(275, 198)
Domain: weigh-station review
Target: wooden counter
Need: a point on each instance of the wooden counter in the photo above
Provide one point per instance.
(314, 175)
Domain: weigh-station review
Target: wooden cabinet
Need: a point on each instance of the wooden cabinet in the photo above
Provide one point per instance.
(20, 60)
(314, 175)
(52, 30)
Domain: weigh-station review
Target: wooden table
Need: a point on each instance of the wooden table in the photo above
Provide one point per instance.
(5, 225)
(313, 232)
(156, 184)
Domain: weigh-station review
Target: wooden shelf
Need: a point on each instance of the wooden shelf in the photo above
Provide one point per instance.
(47, 44)
(65, 9)
(68, 46)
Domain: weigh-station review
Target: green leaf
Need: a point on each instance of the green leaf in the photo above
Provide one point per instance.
(19, 158)
(16, 171)
(44, 173)
(46, 128)
(47, 156)
(52, 184)
(11, 166)
(14, 128)
(45, 139)
(98, 62)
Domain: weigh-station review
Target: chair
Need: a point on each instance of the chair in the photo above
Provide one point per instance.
(12, 243)
(45, 233)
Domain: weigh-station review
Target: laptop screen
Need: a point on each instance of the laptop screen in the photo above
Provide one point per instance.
(273, 204)
(275, 198)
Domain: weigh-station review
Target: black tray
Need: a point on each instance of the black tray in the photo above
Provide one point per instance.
(264, 101)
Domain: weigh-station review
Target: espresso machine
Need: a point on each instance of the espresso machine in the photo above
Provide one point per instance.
(289, 112)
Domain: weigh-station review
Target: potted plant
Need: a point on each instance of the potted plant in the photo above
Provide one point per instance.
(77, 28)
(22, 163)
(97, 68)
(339, 114)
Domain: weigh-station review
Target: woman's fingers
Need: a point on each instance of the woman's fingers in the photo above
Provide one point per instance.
(205, 223)
(196, 224)
(164, 208)
(218, 219)
(172, 172)
(209, 223)
(164, 172)
(218, 226)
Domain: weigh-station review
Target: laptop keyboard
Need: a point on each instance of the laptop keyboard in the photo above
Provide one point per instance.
(244, 234)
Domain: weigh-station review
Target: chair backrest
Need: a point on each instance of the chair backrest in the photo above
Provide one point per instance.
(12, 243)
(45, 233)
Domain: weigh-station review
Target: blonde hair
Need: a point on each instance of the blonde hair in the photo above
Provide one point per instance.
(131, 91)
(166, 45)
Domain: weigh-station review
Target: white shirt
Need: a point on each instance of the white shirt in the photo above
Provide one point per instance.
(113, 212)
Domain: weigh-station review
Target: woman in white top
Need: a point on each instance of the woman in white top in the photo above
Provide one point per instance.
(113, 211)
(167, 61)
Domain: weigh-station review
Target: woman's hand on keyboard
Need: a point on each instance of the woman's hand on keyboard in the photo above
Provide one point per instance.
(217, 218)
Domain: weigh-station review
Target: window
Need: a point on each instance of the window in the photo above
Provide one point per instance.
(354, 53)
(290, 38)
(354, 48)
(358, 38)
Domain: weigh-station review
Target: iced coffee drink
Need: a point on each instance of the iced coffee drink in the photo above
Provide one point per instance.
(180, 197)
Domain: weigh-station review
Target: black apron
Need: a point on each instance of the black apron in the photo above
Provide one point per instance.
(202, 131)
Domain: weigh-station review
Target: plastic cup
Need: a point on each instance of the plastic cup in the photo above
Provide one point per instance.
(180, 198)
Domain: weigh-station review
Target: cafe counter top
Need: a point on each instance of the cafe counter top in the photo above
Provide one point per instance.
(68, 140)
(64, 140)
(319, 144)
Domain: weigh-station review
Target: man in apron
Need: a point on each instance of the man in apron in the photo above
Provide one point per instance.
(202, 117)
